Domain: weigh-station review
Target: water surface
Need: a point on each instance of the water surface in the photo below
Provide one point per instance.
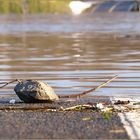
(72, 53)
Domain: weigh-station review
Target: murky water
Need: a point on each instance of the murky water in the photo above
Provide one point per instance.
(72, 54)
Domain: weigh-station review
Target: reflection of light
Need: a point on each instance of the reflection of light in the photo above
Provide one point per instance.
(78, 7)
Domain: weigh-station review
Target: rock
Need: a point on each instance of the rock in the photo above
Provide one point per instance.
(12, 101)
(31, 91)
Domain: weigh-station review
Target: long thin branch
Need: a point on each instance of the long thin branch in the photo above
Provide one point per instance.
(88, 91)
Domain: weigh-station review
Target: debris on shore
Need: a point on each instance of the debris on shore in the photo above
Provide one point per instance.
(33, 91)
(63, 106)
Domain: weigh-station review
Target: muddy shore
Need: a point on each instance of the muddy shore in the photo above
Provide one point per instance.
(39, 123)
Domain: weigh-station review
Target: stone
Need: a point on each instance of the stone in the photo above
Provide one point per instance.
(31, 91)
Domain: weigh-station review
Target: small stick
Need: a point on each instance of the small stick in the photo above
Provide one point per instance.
(88, 91)
(79, 107)
(7, 83)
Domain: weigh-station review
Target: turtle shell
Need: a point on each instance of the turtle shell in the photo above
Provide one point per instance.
(31, 91)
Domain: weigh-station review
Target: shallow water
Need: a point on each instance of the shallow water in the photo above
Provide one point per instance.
(72, 53)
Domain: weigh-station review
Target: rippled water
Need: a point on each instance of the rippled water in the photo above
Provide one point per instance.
(72, 54)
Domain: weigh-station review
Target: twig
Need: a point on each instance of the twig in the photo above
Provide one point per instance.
(3, 83)
(78, 107)
(7, 83)
(88, 91)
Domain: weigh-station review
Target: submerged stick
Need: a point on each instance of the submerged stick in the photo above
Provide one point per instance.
(88, 91)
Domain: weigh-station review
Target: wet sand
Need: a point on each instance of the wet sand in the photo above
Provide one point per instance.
(40, 123)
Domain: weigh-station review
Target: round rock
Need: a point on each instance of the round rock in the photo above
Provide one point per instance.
(31, 91)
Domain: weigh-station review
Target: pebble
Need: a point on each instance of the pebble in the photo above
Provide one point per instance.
(12, 101)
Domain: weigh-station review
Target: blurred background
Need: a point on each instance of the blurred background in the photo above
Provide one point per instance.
(71, 45)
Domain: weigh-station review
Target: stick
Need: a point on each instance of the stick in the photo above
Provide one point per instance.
(78, 107)
(7, 83)
(88, 91)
